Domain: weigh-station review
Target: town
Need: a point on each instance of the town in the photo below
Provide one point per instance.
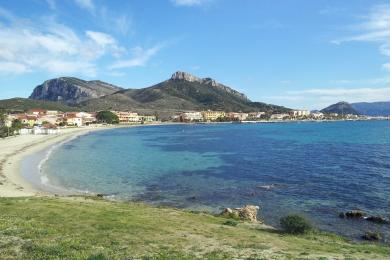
(40, 121)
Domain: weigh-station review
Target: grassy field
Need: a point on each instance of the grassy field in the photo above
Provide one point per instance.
(86, 228)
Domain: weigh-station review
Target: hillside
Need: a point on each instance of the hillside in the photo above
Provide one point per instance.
(72, 90)
(86, 228)
(24, 104)
(342, 108)
(181, 92)
(372, 109)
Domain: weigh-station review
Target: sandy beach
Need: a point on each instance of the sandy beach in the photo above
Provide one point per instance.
(14, 149)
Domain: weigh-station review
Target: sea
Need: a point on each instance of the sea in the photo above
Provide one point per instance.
(316, 169)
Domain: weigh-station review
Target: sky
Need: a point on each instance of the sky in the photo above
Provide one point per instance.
(302, 54)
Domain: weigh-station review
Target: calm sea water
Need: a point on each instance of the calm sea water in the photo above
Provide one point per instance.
(318, 169)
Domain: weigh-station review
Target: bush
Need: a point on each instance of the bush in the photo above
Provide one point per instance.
(230, 222)
(295, 224)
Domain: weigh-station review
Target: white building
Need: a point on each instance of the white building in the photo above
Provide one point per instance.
(279, 116)
(191, 116)
(300, 113)
(317, 115)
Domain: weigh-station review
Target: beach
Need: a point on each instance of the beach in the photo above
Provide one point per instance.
(14, 149)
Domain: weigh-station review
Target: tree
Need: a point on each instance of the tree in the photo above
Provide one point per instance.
(3, 117)
(17, 124)
(107, 117)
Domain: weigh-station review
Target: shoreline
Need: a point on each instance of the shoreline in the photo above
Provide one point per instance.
(15, 149)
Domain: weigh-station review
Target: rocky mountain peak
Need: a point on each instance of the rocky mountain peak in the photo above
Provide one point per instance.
(180, 75)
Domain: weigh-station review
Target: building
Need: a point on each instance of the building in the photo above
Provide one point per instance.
(317, 115)
(191, 117)
(72, 119)
(299, 113)
(126, 117)
(237, 116)
(256, 115)
(51, 119)
(212, 115)
(147, 119)
(279, 116)
(36, 112)
(87, 118)
(52, 112)
(29, 120)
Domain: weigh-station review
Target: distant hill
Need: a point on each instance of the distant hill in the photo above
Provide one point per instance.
(182, 91)
(372, 109)
(72, 90)
(24, 104)
(340, 108)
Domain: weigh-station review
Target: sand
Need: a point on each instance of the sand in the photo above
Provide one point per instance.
(14, 149)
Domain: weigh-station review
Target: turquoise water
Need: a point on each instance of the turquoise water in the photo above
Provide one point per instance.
(318, 169)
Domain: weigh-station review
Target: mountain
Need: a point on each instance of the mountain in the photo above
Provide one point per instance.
(372, 109)
(342, 108)
(182, 91)
(72, 90)
(24, 104)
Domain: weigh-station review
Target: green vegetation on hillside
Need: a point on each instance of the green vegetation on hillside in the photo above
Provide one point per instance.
(24, 104)
(86, 228)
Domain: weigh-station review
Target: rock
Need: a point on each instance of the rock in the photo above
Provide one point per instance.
(72, 90)
(377, 219)
(180, 75)
(372, 236)
(352, 214)
(248, 212)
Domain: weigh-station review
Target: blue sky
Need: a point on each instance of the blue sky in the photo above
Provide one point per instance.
(301, 54)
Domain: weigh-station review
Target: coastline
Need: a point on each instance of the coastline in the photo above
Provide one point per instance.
(14, 149)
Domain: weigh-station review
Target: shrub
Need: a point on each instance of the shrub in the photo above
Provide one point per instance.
(230, 222)
(295, 224)
(372, 236)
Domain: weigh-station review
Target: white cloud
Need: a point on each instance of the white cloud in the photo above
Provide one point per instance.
(375, 28)
(26, 46)
(140, 58)
(86, 4)
(322, 97)
(120, 23)
(189, 2)
(12, 68)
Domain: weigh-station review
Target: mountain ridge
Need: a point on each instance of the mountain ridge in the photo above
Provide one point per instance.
(182, 91)
(381, 108)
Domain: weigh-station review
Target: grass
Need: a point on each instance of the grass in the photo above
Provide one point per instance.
(86, 228)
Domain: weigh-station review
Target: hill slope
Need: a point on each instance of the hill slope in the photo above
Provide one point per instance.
(372, 109)
(72, 90)
(23, 104)
(341, 108)
(181, 92)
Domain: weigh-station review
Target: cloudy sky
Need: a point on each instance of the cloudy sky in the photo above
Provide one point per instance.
(297, 53)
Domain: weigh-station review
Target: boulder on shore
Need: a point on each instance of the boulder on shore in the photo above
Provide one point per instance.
(248, 212)
(378, 219)
(352, 214)
(372, 236)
